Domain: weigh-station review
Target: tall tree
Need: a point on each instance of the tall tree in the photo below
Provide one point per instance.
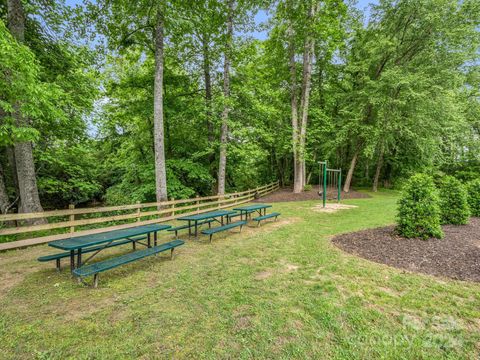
(222, 166)
(304, 26)
(308, 54)
(140, 26)
(25, 165)
(158, 132)
(297, 164)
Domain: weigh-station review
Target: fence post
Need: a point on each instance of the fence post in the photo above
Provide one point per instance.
(197, 202)
(72, 217)
(173, 208)
(138, 211)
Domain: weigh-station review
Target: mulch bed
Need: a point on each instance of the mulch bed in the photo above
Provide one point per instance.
(286, 194)
(456, 256)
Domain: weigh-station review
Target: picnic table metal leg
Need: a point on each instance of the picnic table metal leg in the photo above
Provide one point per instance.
(155, 238)
(221, 220)
(196, 229)
(72, 260)
(189, 228)
(149, 240)
(79, 258)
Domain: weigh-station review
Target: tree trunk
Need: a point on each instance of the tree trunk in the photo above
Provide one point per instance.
(222, 165)
(309, 176)
(25, 165)
(297, 172)
(158, 130)
(353, 163)
(304, 174)
(208, 104)
(379, 168)
(208, 87)
(16, 19)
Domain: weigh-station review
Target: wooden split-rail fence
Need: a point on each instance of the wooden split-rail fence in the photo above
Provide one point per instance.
(86, 221)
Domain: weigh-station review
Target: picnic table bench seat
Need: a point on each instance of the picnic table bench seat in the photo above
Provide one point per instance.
(57, 257)
(217, 229)
(186, 226)
(267, 216)
(96, 268)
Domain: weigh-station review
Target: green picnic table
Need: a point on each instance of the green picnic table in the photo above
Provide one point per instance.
(201, 217)
(249, 208)
(75, 244)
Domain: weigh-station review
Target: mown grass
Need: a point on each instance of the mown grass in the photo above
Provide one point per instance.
(280, 291)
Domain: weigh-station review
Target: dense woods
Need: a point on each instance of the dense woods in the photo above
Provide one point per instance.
(117, 101)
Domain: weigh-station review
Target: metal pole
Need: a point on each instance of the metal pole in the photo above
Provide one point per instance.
(320, 178)
(339, 196)
(325, 184)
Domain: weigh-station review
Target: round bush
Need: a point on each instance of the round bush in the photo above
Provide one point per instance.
(473, 190)
(453, 202)
(418, 209)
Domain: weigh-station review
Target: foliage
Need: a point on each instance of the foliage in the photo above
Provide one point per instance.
(453, 202)
(418, 209)
(307, 187)
(399, 88)
(68, 175)
(186, 179)
(22, 88)
(473, 189)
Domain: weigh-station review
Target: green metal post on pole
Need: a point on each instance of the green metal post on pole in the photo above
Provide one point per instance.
(325, 185)
(339, 185)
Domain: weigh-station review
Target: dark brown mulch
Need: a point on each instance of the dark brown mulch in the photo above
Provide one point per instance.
(286, 194)
(456, 256)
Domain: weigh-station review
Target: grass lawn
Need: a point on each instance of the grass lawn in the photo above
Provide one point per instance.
(280, 291)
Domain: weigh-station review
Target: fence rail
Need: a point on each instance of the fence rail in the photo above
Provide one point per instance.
(71, 219)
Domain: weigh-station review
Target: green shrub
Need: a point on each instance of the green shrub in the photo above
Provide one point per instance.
(473, 190)
(307, 187)
(418, 209)
(453, 202)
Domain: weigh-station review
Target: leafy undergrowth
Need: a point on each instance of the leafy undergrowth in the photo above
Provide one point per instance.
(279, 291)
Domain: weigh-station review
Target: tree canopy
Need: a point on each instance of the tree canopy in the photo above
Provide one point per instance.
(116, 101)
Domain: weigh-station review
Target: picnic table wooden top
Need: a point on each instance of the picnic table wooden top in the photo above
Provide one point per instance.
(253, 207)
(78, 242)
(208, 215)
